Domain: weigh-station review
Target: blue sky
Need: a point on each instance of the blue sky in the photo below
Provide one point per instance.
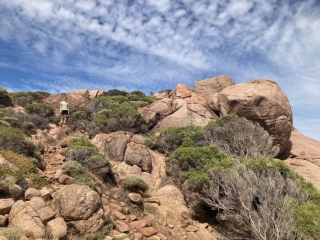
(152, 45)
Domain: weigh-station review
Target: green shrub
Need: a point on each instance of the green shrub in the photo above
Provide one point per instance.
(72, 168)
(80, 142)
(240, 137)
(173, 137)
(5, 99)
(4, 123)
(12, 139)
(115, 92)
(3, 113)
(39, 182)
(27, 126)
(7, 184)
(252, 204)
(11, 120)
(42, 109)
(12, 233)
(102, 232)
(25, 164)
(37, 120)
(195, 163)
(135, 183)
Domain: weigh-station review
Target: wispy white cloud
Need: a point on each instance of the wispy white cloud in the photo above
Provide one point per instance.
(157, 44)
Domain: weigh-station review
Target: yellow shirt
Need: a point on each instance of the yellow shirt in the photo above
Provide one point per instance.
(64, 106)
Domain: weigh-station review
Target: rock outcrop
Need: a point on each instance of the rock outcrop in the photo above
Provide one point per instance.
(304, 157)
(166, 205)
(183, 108)
(31, 216)
(124, 146)
(261, 101)
(74, 100)
(80, 207)
(209, 86)
(129, 155)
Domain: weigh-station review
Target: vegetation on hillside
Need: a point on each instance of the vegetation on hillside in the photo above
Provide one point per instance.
(226, 169)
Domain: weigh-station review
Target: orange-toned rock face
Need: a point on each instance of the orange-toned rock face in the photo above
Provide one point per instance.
(213, 85)
(261, 101)
(304, 157)
(73, 99)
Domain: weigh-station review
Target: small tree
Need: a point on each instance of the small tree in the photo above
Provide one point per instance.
(252, 204)
(240, 137)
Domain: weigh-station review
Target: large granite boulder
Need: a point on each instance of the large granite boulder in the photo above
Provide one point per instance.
(124, 146)
(209, 86)
(166, 205)
(80, 207)
(185, 107)
(129, 154)
(31, 216)
(74, 100)
(76, 202)
(261, 101)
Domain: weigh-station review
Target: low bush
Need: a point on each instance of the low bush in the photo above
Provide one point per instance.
(12, 139)
(41, 109)
(173, 137)
(5, 99)
(195, 163)
(25, 164)
(37, 120)
(7, 184)
(240, 137)
(14, 122)
(135, 183)
(115, 92)
(12, 233)
(72, 168)
(83, 152)
(102, 232)
(253, 204)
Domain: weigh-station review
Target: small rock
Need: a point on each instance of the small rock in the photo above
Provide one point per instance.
(64, 179)
(135, 198)
(3, 221)
(191, 228)
(132, 217)
(162, 237)
(185, 215)
(57, 228)
(171, 226)
(16, 192)
(31, 192)
(210, 229)
(137, 236)
(58, 174)
(155, 237)
(148, 231)
(115, 206)
(192, 236)
(45, 194)
(138, 224)
(6, 205)
(118, 215)
(122, 227)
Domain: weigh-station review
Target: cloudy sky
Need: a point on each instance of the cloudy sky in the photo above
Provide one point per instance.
(152, 45)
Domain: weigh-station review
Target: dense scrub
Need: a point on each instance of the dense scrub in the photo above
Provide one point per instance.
(228, 169)
(27, 169)
(83, 157)
(108, 114)
(13, 139)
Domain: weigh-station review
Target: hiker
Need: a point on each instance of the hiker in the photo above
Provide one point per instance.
(64, 110)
